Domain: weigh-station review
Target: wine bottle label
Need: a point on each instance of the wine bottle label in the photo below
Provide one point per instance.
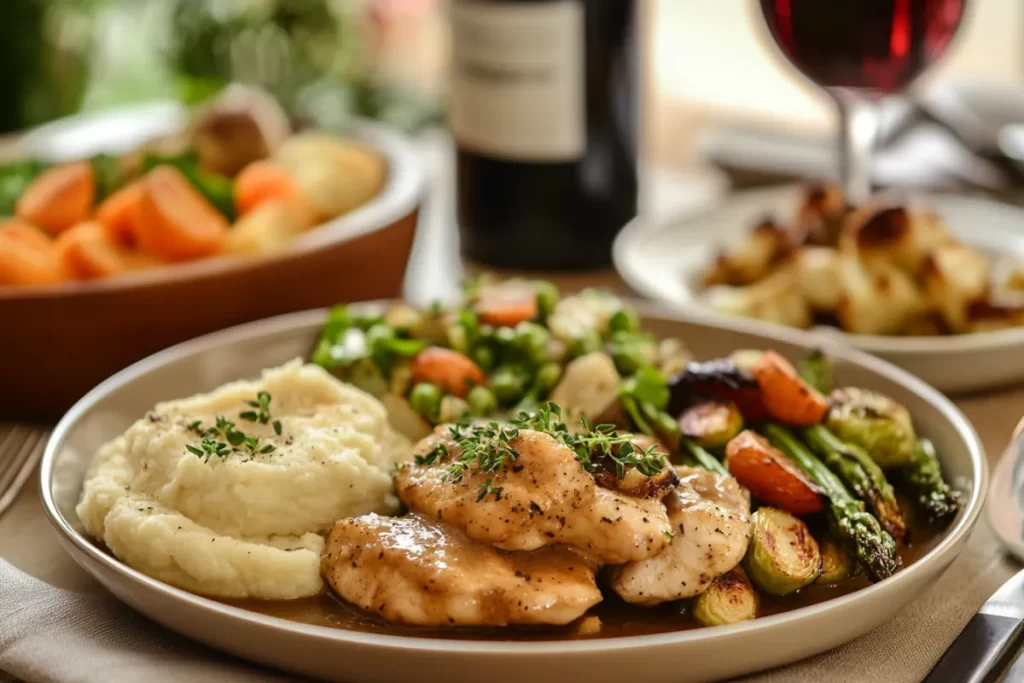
(517, 79)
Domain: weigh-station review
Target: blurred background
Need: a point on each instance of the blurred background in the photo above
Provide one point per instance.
(714, 81)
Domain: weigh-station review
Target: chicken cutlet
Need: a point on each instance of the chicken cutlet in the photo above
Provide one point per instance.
(542, 496)
(710, 515)
(416, 571)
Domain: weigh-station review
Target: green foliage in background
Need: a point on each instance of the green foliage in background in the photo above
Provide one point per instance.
(62, 55)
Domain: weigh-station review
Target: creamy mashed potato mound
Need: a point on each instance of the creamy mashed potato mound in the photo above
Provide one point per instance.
(243, 525)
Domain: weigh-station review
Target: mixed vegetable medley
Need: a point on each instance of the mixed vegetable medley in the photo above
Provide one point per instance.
(821, 464)
(232, 184)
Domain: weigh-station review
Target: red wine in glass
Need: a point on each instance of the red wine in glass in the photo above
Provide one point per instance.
(873, 45)
(859, 50)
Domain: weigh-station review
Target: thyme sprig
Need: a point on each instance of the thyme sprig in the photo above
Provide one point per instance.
(488, 447)
(234, 439)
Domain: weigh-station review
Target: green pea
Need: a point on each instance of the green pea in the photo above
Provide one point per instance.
(532, 339)
(457, 338)
(505, 336)
(482, 401)
(588, 342)
(507, 385)
(547, 377)
(483, 356)
(425, 399)
(624, 320)
(547, 298)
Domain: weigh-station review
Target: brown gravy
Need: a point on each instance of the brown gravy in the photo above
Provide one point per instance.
(617, 617)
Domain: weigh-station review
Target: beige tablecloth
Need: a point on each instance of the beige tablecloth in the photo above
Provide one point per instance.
(65, 627)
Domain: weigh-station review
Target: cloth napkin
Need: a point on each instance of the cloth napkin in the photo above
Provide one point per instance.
(52, 635)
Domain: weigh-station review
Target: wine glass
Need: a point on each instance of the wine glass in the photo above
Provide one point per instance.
(858, 51)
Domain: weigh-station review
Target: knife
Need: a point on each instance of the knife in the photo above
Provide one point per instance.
(989, 638)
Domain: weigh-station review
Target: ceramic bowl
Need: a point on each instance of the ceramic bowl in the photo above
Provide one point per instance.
(57, 342)
(333, 654)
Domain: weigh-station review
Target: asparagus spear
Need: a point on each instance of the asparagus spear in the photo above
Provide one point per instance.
(859, 530)
(924, 477)
(703, 458)
(862, 474)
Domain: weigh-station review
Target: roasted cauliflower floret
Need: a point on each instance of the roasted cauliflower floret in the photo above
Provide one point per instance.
(955, 277)
(819, 215)
(817, 272)
(879, 300)
(777, 299)
(893, 235)
(750, 259)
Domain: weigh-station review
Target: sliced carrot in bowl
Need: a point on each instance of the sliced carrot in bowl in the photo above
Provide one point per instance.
(117, 211)
(786, 397)
(263, 181)
(59, 197)
(450, 371)
(26, 234)
(25, 260)
(771, 476)
(88, 251)
(173, 221)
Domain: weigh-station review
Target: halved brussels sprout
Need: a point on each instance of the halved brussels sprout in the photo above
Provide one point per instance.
(365, 374)
(836, 564)
(874, 422)
(712, 424)
(729, 599)
(782, 556)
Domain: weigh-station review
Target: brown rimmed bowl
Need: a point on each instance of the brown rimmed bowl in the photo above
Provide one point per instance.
(57, 342)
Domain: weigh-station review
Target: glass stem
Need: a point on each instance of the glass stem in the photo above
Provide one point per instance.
(858, 127)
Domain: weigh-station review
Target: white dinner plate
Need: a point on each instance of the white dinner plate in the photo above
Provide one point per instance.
(335, 654)
(662, 259)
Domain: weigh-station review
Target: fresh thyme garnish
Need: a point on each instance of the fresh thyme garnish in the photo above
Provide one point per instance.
(237, 440)
(261, 413)
(488, 447)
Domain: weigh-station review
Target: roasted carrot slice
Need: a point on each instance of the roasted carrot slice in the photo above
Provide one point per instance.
(173, 221)
(262, 181)
(25, 233)
(771, 477)
(59, 197)
(88, 251)
(450, 371)
(507, 311)
(116, 212)
(786, 397)
(23, 262)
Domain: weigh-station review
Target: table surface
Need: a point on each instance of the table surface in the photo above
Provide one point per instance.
(903, 649)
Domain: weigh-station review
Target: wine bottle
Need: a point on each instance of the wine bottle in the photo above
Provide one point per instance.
(544, 114)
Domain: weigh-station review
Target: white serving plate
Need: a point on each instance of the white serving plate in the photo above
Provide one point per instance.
(333, 654)
(661, 260)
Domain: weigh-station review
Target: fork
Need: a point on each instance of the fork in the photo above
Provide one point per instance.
(20, 449)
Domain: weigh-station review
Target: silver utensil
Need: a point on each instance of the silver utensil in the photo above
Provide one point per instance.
(20, 450)
(988, 638)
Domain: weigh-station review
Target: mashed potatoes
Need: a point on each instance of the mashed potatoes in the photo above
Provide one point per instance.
(246, 524)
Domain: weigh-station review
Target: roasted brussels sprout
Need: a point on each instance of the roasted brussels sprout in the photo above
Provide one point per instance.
(836, 563)
(729, 599)
(366, 375)
(874, 422)
(783, 556)
(711, 423)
